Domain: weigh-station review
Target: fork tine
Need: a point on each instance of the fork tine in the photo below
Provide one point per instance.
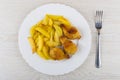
(99, 15)
(96, 17)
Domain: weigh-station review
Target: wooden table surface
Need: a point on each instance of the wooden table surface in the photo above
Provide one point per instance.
(13, 66)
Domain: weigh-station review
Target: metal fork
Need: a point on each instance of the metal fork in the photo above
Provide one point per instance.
(98, 25)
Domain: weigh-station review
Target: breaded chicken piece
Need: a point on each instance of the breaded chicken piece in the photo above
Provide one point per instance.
(58, 54)
(69, 46)
(71, 32)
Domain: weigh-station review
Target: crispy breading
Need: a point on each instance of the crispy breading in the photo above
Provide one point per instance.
(71, 32)
(69, 46)
(58, 54)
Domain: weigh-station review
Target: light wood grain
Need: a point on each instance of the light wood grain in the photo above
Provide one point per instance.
(13, 66)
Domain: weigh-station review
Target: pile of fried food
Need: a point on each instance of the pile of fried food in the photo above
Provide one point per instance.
(51, 38)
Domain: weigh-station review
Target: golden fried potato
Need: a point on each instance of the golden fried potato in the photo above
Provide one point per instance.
(68, 45)
(45, 21)
(46, 52)
(40, 42)
(56, 37)
(35, 36)
(52, 35)
(57, 54)
(64, 21)
(58, 33)
(32, 44)
(42, 31)
(50, 22)
(51, 42)
(40, 53)
(54, 17)
(49, 29)
(32, 30)
(57, 23)
(45, 39)
(59, 18)
(58, 30)
(71, 33)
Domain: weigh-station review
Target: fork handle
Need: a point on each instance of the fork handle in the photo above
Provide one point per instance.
(98, 52)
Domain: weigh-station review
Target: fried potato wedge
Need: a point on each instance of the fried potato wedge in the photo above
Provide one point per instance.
(64, 21)
(56, 37)
(40, 53)
(32, 44)
(45, 21)
(32, 30)
(59, 18)
(57, 23)
(40, 42)
(42, 31)
(58, 30)
(52, 44)
(54, 17)
(46, 52)
(50, 22)
(58, 33)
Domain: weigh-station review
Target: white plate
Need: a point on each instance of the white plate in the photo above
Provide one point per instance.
(55, 67)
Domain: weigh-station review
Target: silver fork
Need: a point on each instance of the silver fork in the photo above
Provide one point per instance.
(98, 25)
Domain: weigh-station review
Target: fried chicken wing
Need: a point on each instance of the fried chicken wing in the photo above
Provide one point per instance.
(68, 45)
(57, 54)
(71, 32)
